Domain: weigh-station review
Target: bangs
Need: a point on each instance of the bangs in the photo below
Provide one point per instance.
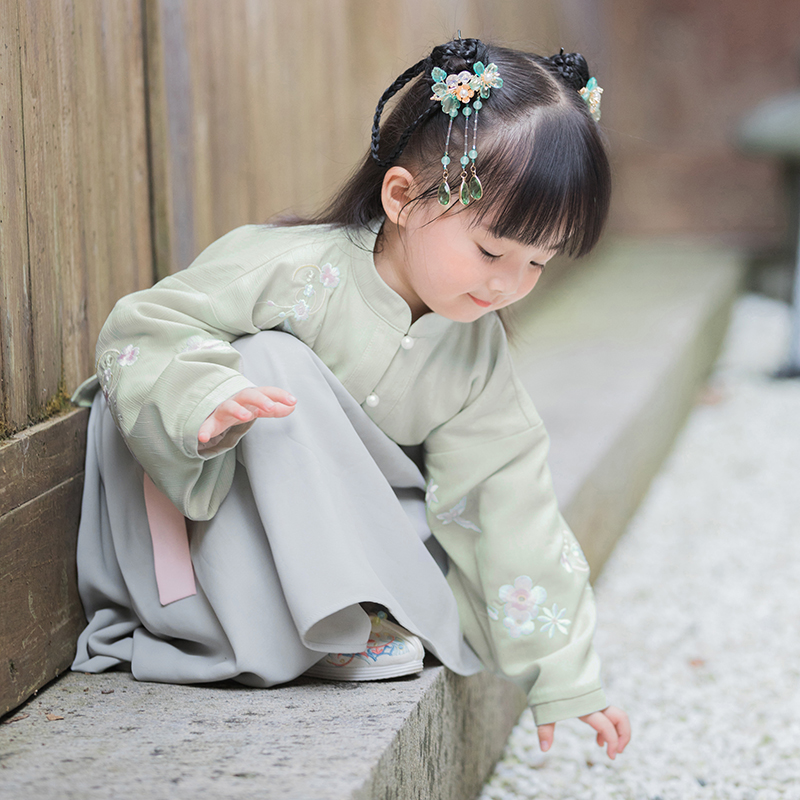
(558, 197)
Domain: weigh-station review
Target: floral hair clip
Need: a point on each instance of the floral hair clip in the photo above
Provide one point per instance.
(591, 96)
(453, 92)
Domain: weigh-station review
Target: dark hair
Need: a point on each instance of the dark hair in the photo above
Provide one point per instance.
(542, 161)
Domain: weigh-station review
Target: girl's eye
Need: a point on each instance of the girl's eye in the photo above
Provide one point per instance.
(487, 254)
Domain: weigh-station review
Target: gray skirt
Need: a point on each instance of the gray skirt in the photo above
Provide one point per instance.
(325, 513)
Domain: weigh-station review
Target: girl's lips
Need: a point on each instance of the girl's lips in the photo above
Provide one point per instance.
(481, 303)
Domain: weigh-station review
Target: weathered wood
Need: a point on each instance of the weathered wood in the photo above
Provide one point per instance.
(113, 190)
(43, 456)
(261, 107)
(15, 322)
(47, 71)
(40, 611)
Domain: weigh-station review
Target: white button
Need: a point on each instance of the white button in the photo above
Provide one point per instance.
(373, 400)
(407, 343)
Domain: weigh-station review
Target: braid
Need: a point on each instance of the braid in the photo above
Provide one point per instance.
(396, 86)
(571, 68)
(452, 57)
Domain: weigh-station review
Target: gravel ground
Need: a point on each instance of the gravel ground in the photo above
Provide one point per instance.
(699, 607)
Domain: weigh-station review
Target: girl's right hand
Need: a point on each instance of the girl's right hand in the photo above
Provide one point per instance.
(244, 406)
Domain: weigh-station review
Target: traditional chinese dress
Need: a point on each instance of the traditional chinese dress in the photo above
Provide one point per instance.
(293, 522)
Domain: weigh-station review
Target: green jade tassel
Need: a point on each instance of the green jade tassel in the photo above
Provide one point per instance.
(475, 187)
(464, 193)
(444, 193)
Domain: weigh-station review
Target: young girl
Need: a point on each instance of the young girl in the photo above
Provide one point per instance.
(218, 545)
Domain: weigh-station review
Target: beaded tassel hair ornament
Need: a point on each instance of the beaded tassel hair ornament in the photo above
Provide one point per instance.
(467, 89)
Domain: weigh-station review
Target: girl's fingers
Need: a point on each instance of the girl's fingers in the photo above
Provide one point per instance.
(622, 724)
(278, 395)
(606, 732)
(245, 406)
(546, 733)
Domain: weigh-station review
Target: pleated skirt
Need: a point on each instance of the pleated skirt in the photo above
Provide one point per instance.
(325, 513)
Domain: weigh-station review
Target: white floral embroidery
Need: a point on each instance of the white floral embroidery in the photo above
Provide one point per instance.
(572, 558)
(454, 515)
(492, 612)
(128, 356)
(430, 493)
(108, 373)
(517, 629)
(194, 343)
(554, 620)
(308, 299)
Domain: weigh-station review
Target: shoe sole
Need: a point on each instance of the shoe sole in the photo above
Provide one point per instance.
(365, 673)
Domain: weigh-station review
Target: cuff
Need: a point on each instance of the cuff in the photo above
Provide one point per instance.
(557, 710)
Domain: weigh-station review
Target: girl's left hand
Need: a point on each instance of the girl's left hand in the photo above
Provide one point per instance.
(612, 725)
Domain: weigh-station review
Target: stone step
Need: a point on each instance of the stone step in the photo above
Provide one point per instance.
(613, 355)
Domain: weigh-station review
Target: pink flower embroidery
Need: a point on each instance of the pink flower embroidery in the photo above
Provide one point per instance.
(128, 356)
(522, 597)
(329, 276)
(517, 629)
(300, 310)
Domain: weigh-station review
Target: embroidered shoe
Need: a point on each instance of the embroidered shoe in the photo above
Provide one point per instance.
(391, 651)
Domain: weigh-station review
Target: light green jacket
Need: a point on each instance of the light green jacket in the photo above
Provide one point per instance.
(517, 572)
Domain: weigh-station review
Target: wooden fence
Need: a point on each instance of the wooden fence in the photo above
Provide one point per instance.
(136, 132)
(132, 134)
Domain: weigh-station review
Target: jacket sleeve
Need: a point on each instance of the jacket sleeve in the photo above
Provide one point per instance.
(165, 362)
(517, 571)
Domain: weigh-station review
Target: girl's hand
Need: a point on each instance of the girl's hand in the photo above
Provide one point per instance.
(263, 401)
(612, 726)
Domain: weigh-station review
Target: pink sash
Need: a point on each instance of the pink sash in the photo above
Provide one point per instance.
(173, 562)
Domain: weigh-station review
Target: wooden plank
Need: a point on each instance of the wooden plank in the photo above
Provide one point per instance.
(41, 457)
(113, 191)
(15, 321)
(40, 611)
(47, 71)
(171, 134)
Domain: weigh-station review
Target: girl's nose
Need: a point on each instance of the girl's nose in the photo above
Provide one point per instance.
(504, 284)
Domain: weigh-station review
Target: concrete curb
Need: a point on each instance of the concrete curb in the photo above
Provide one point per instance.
(641, 326)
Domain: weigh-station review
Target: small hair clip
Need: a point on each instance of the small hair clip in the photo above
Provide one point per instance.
(591, 96)
(453, 91)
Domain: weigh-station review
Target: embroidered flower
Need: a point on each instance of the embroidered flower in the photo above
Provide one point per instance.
(201, 343)
(517, 629)
(300, 310)
(128, 356)
(430, 493)
(572, 557)
(554, 620)
(485, 79)
(329, 276)
(454, 515)
(522, 597)
(307, 299)
(492, 612)
(591, 96)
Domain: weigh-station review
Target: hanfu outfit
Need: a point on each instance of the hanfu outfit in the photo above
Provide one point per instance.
(293, 522)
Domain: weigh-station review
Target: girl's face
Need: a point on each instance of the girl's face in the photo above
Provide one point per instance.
(443, 264)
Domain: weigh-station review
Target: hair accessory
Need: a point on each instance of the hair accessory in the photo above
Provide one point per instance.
(453, 91)
(591, 96)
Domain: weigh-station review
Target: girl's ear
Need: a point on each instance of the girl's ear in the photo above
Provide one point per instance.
(397, 191)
